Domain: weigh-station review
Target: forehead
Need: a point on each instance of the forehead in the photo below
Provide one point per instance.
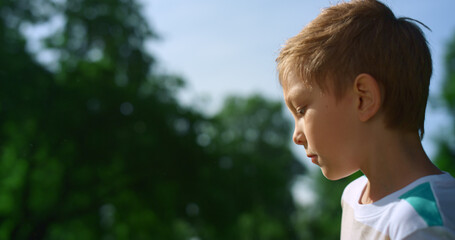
(294, 81)
(294, 86)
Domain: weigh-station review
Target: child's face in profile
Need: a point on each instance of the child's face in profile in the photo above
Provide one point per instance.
(325, 126)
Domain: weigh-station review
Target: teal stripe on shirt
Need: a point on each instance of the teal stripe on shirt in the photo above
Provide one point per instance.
(422, 200)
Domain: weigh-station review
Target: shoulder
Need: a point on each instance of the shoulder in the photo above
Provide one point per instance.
(431, 233)
(425, 208)
(433, 200)
(404, 219)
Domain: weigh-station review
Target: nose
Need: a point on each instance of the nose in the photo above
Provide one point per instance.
(299, 136)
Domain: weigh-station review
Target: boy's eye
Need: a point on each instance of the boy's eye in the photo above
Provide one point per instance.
(301, 110)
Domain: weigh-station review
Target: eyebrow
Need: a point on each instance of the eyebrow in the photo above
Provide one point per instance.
(299, 93)
(287, 100)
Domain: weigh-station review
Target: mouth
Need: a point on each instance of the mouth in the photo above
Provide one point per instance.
(314, 158)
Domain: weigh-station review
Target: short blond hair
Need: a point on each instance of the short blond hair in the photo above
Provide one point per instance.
(364, 36)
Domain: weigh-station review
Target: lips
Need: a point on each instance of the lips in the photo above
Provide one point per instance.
(314, 158)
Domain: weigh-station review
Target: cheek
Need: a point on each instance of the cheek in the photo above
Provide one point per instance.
(317, 130)
(328, 129)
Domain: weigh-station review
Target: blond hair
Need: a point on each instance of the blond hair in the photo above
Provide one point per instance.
(364, 36)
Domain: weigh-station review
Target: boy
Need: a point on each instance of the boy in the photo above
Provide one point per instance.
(356, 80)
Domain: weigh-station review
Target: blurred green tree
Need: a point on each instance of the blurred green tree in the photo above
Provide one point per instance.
(252, 136)
(445, 158)
(322, 218)
(95, 144)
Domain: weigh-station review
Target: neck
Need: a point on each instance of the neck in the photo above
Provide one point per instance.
(397, 160)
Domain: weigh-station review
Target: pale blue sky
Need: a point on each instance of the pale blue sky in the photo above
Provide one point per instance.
(229, 46)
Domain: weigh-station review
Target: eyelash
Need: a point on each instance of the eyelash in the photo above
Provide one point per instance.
(301, 111)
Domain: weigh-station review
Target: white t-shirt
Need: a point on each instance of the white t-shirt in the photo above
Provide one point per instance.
(424, 209)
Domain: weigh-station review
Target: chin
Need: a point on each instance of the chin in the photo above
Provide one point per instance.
(334, 175)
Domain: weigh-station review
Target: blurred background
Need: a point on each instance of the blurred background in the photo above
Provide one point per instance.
(152, 119)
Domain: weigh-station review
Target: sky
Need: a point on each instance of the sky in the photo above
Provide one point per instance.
(227, 47)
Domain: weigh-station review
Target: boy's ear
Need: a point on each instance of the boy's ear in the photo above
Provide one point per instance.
(368, 95)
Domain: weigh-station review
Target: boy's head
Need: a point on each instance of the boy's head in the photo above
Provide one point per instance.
(364, 36)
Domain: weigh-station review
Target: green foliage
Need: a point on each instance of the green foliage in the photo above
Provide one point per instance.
(445, 158)
(98, 147)
(449, 81)
(322, 220)
(253, 139)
